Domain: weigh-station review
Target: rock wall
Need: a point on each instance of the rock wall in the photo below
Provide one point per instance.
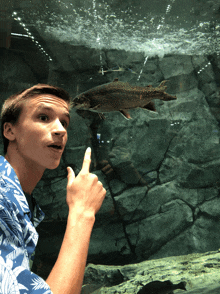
(160, 170)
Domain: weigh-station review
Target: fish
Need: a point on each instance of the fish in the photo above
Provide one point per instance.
(159, 287)
(120, 96)
(116, 69)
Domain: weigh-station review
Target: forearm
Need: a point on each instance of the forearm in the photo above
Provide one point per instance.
(68, 271)
(85, 195)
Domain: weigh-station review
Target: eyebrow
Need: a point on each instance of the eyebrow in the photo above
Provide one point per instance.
(41, 107)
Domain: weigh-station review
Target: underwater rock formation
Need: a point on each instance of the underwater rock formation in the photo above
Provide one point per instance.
(199, 273)
(161, 170)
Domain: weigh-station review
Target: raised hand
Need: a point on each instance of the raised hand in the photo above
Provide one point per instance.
(84, 192)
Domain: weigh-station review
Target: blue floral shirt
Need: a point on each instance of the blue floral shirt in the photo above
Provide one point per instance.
(18, 237)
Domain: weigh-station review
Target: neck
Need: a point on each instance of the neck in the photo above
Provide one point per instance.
(28, 173)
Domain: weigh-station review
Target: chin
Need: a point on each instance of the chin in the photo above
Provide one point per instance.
(53, 166)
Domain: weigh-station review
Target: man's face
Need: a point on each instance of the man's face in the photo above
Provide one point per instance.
(41, 131)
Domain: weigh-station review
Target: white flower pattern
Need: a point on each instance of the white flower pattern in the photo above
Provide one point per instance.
(18, 237)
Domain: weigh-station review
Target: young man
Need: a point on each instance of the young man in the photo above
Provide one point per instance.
(34, 130)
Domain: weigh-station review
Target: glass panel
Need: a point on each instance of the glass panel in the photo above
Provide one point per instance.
(153, 125)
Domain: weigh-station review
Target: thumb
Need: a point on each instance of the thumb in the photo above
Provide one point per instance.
(70, 175)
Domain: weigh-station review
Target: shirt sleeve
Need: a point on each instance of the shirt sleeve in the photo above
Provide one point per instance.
(15, 274)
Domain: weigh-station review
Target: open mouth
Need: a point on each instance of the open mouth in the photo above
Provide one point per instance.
(57, 147)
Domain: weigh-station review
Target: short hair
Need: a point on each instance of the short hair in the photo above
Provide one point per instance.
(12, 107)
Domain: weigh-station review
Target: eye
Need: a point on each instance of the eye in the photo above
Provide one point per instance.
(43, 117)
(64, 124)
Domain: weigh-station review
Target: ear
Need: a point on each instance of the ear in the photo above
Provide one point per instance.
(8, 131)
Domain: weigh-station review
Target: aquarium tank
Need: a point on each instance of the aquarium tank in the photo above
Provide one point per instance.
(144, 77)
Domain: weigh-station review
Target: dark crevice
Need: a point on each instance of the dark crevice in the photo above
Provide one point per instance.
(95, 144)
(158, 181)
(132, 247)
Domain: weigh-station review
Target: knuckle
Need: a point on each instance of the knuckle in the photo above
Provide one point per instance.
(86, 163)
(83, 175)
(100, 184)
(94, 177)
(87, 160)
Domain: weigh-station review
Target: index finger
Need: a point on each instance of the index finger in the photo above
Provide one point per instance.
(86, 161)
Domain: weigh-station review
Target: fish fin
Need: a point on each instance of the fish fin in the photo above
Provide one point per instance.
(150, 106)
(95, 107)
(162, 85)
(125, 114)
(115, 80)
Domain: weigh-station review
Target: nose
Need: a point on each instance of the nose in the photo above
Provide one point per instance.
(58, 129)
